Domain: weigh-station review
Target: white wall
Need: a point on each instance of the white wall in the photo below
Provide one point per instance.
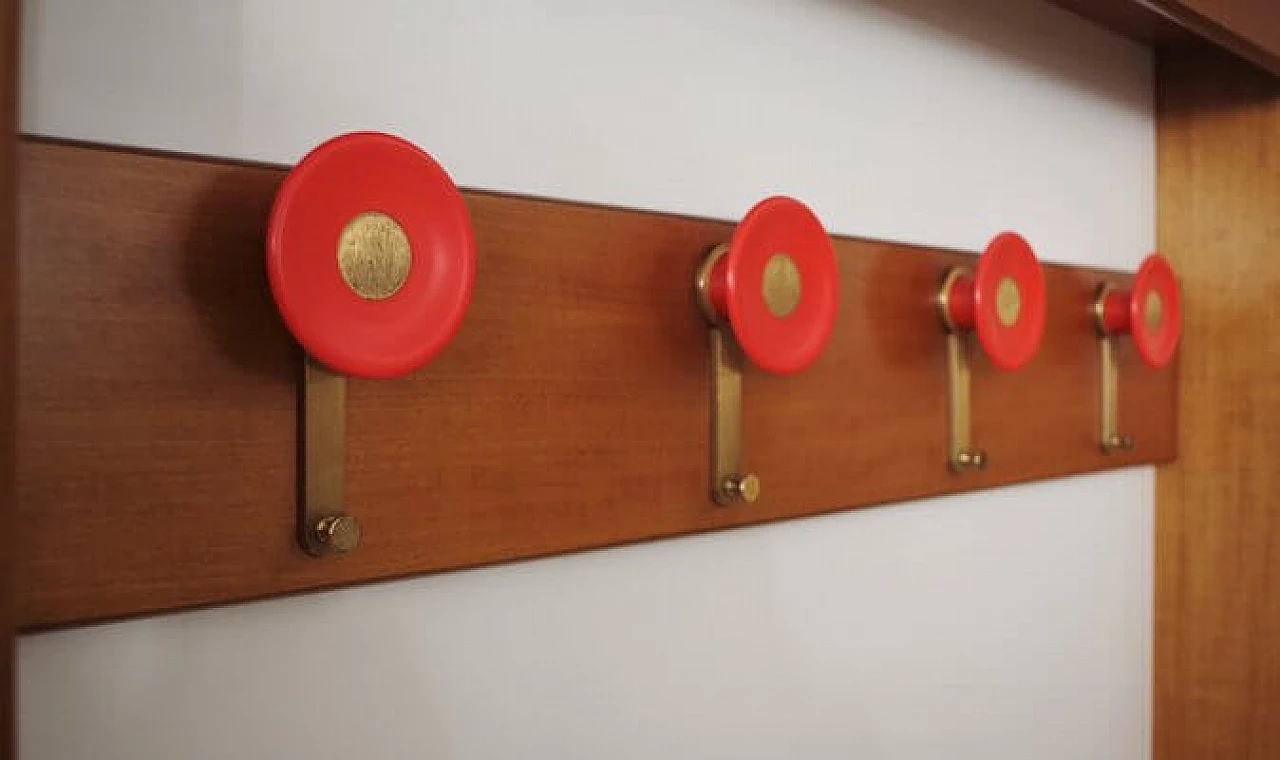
(1009, 624)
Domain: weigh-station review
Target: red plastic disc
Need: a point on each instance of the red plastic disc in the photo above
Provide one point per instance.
(1155, 311)
(777, 285)
(1115, 311)
(377, 198)
(1009, 301)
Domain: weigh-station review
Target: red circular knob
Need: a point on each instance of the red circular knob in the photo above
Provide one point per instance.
(1003, 301)
(1151, 311)
(370, 255)
(777, 286)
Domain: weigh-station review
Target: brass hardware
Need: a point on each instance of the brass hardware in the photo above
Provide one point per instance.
(702, 285)
(1008, 302)
(742, 488)
(963, 457)
(374, 255)
(1111, 440)
(323, 526)
(944, 298)
(781, 285)
(1153, 310)
(338, 533)
(1109, 437)
(729, 484)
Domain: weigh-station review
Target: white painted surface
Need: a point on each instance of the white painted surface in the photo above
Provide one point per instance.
(1009, 624)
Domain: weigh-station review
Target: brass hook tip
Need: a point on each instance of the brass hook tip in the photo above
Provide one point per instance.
(337, 534)
(970, 460)
(702, 285)
(1117, 443)
(745, 487)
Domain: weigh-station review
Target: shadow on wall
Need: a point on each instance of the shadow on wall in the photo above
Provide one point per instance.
(1019, 32)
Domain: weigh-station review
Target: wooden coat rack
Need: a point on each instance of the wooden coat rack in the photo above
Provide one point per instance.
(159, 405)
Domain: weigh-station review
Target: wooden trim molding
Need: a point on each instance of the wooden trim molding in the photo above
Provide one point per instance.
(158, 395)
(1217, 613)
(1247, 28)
(8, 364)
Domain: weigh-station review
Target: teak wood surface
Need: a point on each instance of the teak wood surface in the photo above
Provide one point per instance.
(158, 395)
(1217, 595)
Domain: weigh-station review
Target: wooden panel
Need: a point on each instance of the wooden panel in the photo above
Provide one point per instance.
(1248, 28)
(1141, 20)
(8, 368)
(157, 395)
(1256, 22)
(1217, 645)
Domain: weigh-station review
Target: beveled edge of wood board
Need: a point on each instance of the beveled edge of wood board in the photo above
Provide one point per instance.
(34, 139)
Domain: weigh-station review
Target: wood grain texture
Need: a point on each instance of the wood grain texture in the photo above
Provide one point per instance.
(8, 364)
(158, 391)
(1217, 626)
(1248, 28)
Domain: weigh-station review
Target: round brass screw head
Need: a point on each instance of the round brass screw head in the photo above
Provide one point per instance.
(374, 255)
(781, 285)
(1008, 301)
(743, 487)
(1119, 443)
(338, 534)
(1153, 311)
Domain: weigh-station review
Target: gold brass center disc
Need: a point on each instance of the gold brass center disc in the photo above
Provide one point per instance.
(781, 288)
(1153, 311)
(1008, 302)
(374, 255)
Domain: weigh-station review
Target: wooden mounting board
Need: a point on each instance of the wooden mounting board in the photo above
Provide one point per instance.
(158, 394)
